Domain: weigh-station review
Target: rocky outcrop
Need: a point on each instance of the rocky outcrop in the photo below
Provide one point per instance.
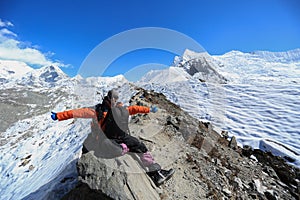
(208, 165)
(119, 178)
(201, 66)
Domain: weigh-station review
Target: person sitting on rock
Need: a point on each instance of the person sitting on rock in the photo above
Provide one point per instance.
(110, 125)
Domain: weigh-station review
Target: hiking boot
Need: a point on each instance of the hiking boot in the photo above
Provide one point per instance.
(167, 173)
(160, 176)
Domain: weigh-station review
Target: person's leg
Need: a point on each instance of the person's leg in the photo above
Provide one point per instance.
(138, 147)
(134, 145)
(153, 169)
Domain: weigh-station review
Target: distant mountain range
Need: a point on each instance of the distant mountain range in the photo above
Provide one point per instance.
(256, 66)
(21, 73)
(191, 65)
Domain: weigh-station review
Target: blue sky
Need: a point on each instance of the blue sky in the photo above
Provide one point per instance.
(67, 31)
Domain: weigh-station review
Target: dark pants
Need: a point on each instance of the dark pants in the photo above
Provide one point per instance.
(104, 147)
(111, 148)
(138, 148)
(134, 145)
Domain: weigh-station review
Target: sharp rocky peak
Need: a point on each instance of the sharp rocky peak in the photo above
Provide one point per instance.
(200, 65)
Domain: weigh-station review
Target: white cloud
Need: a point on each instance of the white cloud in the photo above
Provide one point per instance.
(13, 49)
(9, 50)
(6, 32)
(5, 23)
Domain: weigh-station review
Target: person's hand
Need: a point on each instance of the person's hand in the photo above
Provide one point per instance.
(153, 109)
(53, 115)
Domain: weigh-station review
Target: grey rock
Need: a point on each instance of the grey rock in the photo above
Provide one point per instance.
(238, 183)
(119, 178)
(233, 143)
(227, 192)
(225, 134)
(270, 195)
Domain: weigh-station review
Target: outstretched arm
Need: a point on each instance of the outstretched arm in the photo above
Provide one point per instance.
(137, 109)
(140, 109)
(76, 113)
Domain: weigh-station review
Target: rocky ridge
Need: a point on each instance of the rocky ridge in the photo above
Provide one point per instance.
(207, 164)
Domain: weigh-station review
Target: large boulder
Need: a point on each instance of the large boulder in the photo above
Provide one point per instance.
(118, 178)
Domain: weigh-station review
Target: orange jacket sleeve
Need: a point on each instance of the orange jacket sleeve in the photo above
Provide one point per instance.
(137, 109)
(77, 113)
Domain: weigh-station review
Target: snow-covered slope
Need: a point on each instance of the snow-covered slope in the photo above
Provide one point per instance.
(258, 104)
(292, 56)
(248, 68)
(172, 74)
(39, 154)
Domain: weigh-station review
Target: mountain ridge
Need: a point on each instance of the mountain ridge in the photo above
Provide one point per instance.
(192, 62)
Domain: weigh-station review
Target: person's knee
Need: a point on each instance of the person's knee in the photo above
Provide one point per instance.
(143, 148)
(137, 148)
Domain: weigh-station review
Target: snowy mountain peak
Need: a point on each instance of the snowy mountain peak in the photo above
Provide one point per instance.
(191, 65)
(201, 66)
(10, 69)
(190, 55)
(233, 53)
(77, 77)
(51, 73)
(48, 75)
